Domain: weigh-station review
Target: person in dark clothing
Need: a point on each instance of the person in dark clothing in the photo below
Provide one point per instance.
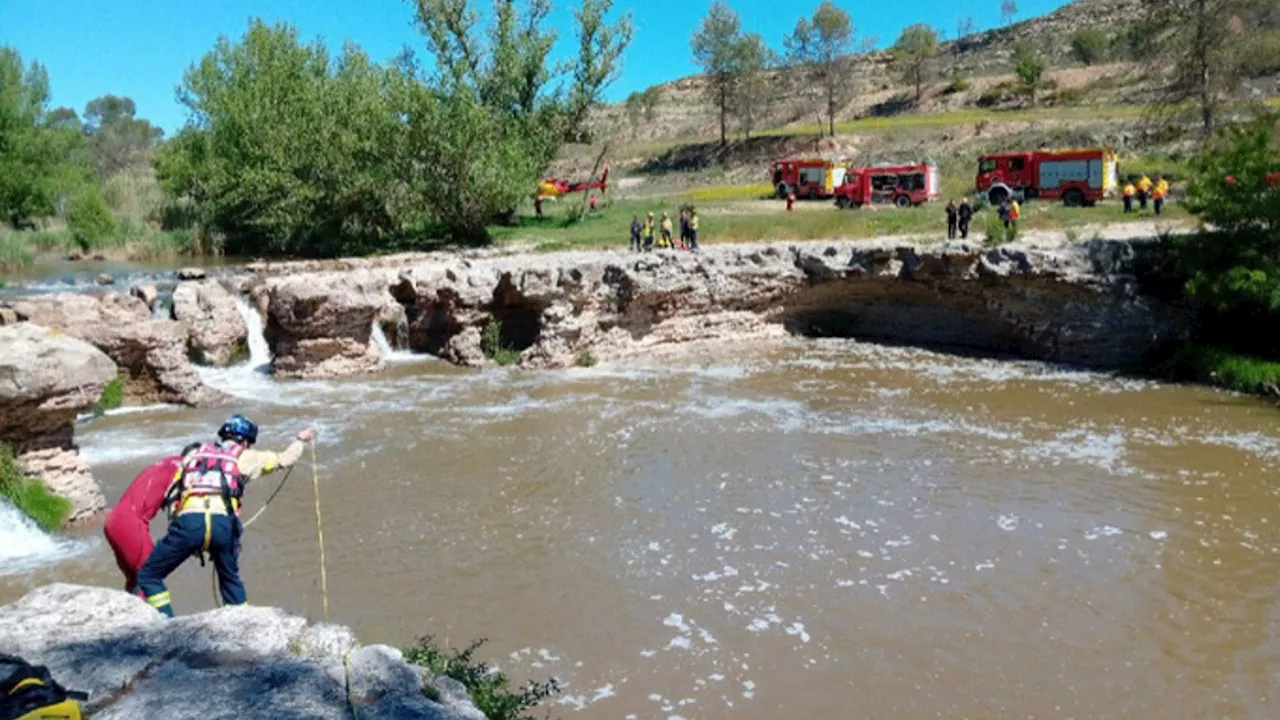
(537, 207)
(952, 219)
(635, 232)
(964, 215)
(684, 230)
(1003, 212)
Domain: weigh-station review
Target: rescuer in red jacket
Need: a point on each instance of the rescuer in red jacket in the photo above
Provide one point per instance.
(128, 525)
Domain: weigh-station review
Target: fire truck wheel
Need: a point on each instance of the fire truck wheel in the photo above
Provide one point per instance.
(783, 191)
(902, 201)
(842, 202)
(997, 195)
(813, 193)
(1073, 198)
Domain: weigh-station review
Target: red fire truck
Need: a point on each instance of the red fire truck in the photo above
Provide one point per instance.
(902, 185)
(807, 177)
(1077, 177)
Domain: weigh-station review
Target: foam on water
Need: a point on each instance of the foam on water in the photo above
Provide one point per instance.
(25, 547)
(392, 355)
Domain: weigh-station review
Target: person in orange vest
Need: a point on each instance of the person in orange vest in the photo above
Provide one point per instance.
(1015, 212)
(1157, 197)
(1144, 191)
(1128, 192)
(1163, 185)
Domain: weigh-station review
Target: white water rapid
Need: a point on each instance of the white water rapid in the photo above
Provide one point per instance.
(390, 354)
(25, 547)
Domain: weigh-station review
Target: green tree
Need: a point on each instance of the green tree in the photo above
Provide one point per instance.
(1089, 45)
(284, 152)
(1202, 45)
(119, 139)
(1030, 71)
(715, 46)
(1008, 10)
(820, 47)
(913, 53)
(600, 48)
(753, 61)
(641, 107)
(40, 158)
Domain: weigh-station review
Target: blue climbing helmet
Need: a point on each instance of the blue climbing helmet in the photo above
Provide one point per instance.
(239, 427)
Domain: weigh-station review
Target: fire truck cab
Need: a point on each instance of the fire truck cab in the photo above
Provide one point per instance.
(1077, 177)
(901, 185)
(807, 177)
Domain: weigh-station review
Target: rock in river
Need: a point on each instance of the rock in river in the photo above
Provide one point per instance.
(46, 378)
(236, 662)
(208, 311)
(152, 352)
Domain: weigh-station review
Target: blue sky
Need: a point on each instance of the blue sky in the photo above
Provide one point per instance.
(140, 48)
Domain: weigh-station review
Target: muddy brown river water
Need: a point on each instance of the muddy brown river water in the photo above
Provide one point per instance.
(826, 529)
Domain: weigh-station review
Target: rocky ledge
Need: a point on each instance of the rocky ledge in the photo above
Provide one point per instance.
(152, 354)
(46, 379)
(1079, 303)
(239, 662)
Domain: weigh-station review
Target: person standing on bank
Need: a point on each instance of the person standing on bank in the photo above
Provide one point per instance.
(963, 217)
(206, 511)
(953, 218)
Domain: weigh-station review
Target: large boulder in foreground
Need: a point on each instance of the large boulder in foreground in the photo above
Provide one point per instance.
(46, 379)
(236, 662)
(217, 330)
(153, 353)
(324, 329)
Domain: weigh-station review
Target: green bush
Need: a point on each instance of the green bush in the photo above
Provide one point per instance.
(30, 495)
(489, 689)
(996, 232)
(89, 218)
(1135, 42)
(958, 84)
(586, 358)
(492, 347)
(1217, 366)
(1237, 265)
(15, 251)
(112, 397)
(1089, 45)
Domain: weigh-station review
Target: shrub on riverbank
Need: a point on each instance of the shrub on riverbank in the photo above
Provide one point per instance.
(490, 689)
(112, 397)
(493, 348)
(30, 495)
(1223, 368)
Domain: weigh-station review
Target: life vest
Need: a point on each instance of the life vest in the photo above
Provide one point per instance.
(1014, 211)
(212, 470)
(1129, 190)
(29, 692)
(1144, 184)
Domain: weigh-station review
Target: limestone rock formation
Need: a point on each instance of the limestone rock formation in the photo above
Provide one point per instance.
(147, 293)
(46, 379)
(217, 331)
(1051, 300)
(236, 662)
(322, 327)
(152, 352)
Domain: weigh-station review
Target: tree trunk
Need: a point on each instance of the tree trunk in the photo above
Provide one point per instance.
(724, 115)
(586, 196)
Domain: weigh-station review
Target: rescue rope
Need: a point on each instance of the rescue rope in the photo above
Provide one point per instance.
(272, 496)
(324, 577)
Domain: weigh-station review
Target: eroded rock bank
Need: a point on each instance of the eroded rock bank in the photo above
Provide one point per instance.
(1078, 303)
(151, 354)
(236, 662)
(217, 333)
(46, 379)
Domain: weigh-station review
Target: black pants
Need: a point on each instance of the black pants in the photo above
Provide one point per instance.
(1128, 203)
(964, 229)
(951, 231)
(1142, 200)
(186, 537)
(1159, 203)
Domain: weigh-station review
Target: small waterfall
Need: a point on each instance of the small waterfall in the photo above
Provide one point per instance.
(259, 351)
(380, 339)
(249, 380)
(401, 352)
(25, 547)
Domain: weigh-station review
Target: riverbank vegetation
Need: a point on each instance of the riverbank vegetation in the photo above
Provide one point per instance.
(1231, 269)
(29, 495)
(489, 689)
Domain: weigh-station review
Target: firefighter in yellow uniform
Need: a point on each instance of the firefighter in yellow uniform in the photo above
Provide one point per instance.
(1128, 192)
(1144, 191)
(1157, 196)
(648, 231)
